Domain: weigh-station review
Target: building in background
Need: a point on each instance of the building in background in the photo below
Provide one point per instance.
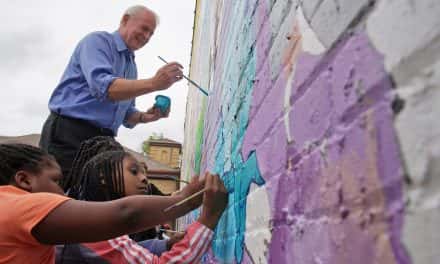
(164, 150)
(163, 176)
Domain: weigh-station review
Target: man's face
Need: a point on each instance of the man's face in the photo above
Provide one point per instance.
(137, 30)
(47, 180)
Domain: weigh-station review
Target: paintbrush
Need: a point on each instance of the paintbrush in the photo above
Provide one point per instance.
(180, 180)
(188, 79)
(184, 200)
(171, 231)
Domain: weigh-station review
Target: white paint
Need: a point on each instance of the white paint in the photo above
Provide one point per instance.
(310, 44)
(287, 107)
(421, 237)
(417, 125)
(400, 29)
(258, 230)
(333, 18)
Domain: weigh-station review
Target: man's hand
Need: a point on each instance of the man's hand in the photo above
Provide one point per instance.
(167, 75)
(153, 114)
(215, 200)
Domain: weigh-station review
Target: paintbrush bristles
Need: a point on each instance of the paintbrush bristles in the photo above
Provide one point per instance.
(185, 200)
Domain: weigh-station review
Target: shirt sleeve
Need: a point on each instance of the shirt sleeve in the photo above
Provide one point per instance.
(34, 208)
(124, 250)
(131, 110)
(155, 246)
(191, 248)
(95, 59)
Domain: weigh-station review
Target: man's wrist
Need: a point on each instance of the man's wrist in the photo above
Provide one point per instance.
(150, 85)
(141, 117)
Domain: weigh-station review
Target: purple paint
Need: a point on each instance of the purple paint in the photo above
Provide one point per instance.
(271, 112)
(341, 99)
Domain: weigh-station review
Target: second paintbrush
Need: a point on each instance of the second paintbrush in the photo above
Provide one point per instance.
(185, 200)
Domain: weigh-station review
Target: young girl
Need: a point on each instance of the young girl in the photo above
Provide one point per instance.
(87, 150)
(37, 216)
(112, 175)
(72, 183)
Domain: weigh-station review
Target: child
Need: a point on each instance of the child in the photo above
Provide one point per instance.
(72, 183)
(112, 175)
(87, 150)
(38, 216)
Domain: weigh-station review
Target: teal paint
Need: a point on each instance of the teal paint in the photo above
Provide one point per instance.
(229, 236)
(236, 173)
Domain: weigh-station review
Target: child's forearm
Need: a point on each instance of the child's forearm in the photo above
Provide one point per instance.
(142, 212)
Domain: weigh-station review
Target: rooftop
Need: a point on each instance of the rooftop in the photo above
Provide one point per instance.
(154, 167)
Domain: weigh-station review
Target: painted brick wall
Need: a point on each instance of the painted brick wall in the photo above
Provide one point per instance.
(322, 120)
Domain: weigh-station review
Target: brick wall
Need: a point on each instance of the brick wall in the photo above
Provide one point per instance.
(322, 122)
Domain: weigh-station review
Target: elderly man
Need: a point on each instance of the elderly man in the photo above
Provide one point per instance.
(96, 94)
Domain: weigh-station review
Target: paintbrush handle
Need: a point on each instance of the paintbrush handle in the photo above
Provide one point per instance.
(171, 231)
(162, 59)
(196, 85)
(188, 79)
(190, 197)
(185, 200)
(180, 180)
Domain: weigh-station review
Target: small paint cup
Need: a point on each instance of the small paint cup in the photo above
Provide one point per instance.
(163, 103)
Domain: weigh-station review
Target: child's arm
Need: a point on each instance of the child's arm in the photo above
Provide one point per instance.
(190, 249)
(199, 235)
(79, 221)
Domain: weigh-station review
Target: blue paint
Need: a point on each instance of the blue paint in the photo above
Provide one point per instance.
(163, 103)
(228, 243)
(237, 174)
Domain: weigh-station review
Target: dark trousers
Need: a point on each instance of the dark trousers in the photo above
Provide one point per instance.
(61, 137)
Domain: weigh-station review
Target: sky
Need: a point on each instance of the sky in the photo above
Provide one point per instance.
(38, 37)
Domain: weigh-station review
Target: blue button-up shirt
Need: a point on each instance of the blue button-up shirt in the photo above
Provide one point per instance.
(98, 59)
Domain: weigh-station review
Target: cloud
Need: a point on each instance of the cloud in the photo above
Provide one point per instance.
(22, 49)
(38, 37)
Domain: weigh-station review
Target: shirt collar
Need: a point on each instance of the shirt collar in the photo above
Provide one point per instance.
(12, 189)
(120, 44)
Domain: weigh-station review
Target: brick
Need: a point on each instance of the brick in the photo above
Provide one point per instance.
(408, 34)
(417, 125)
(333, 17)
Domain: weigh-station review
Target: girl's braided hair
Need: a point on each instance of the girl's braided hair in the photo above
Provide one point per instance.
(15, 157)
(103, 177)
(87, 150)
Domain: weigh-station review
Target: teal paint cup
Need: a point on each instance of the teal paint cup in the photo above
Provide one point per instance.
(163, 103)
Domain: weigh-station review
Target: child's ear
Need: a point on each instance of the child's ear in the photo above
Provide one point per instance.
(24, 180)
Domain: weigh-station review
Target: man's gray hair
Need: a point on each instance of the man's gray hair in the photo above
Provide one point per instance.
(134, 10)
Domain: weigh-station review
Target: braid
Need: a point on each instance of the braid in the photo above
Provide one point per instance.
(88, 149)
(120, 176)
(15, 157)
(103, 177)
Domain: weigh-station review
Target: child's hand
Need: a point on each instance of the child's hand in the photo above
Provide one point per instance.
(196, 184)
(215, 200)
(174, 238)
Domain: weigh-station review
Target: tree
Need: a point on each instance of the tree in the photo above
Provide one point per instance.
(146, 143)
